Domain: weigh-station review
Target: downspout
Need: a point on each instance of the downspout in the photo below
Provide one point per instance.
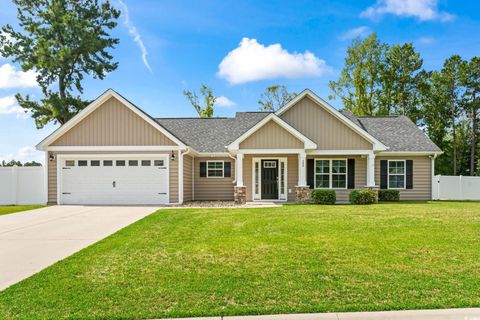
(180, 174)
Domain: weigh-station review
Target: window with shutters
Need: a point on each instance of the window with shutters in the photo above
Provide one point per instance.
(396, 174)
(330, 174)
(215, 169)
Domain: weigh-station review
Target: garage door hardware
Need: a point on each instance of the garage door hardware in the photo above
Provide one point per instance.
(66, 193)
(66, 168)
(162, 193)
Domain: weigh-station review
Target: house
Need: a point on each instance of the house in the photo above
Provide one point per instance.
(114, 153)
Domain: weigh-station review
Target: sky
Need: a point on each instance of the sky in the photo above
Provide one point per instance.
(239, 48)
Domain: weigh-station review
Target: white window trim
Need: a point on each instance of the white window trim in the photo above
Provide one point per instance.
(396, 174)
(330, 173)
(223, 169)
(258, 196)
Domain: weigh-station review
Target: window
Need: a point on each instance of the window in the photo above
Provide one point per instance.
(133, 163)
(82, 163)
(70, 163)
(257, 177)
(120, 163)
(158, 163)
(331, 174)
(95, 163)
(269, 164)
(396, 174)
(146, 163)
(214, 169)
(107, 163)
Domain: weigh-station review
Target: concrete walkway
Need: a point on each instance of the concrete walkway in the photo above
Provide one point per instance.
(441, 314)
(33, 240)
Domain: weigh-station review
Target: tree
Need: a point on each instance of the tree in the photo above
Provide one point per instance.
(275, 97)
(359, 85)
(208, 98)
(11, 163)
(62, 40)
(32, 164)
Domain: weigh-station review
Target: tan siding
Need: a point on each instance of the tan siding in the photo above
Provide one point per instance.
(113, 124)
(328, 132)
(360, 175)
(271, 136)
(213, 188)
(52, 174)
(187, 178)
(422, 177)
(292, 173)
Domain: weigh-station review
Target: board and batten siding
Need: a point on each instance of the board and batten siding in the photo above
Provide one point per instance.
(52, 173)
(113, 124)
(319, 125)
(360, 175)
(422, 177)
(271, 136)
(292, 172)
(213, 188)
(187, 178)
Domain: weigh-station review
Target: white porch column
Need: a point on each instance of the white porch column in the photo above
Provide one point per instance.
(302, 169)
(371, 170)
(239, 170)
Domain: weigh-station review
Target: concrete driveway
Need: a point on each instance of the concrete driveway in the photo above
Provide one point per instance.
(33, 240)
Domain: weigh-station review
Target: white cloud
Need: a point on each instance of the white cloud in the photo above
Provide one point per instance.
(422, 9)
(137, 38)
(425, 40)
(355, 33)
(8, 105)
(24, 154)
(252, 61)
(11, 78)
(223, 101)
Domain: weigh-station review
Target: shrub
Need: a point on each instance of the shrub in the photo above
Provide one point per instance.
(324, 196)
(389, 195)
(363, 196)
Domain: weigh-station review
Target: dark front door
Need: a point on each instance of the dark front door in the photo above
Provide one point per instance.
(270, 179)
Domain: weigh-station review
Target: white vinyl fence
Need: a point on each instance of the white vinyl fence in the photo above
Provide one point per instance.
(455, 188)
(22, 185)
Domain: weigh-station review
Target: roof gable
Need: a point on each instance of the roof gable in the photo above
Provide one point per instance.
(271, 136)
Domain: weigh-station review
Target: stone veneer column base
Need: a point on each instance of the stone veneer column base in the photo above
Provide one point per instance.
(302, 194)
(240, 195)
(374, 189)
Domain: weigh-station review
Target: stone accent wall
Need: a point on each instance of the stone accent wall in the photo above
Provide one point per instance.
(240, 195)
(302, 194)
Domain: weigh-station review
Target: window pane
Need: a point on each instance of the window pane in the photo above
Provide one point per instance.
(107, 163)
(339, 166)
(322, 166)
(322, 181)
(82, 163)
(133, 163)
(95, 163)
(257, 179)
(396, 167)
(396, 181)
(146, 163)
(120, 163)
(70, 163)
(339, 181)
(215, 165)
(158, 163)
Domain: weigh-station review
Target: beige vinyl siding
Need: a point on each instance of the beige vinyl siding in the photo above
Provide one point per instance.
(292, 173)
(113, 124)
(213, 188)
(187, 178)
(422, 177)
(328, 132)
(52, 174)
(271, 136)
(360, 175)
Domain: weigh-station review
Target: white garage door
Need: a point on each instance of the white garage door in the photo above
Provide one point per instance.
(114, 180)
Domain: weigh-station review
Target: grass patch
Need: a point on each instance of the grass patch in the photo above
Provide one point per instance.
(13, 209)
(308, 258)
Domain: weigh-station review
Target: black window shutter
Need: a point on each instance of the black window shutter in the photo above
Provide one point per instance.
(310, 172)
(203, 169)
(383, 174)
(409, 177)
(227, 169)
(351, 174)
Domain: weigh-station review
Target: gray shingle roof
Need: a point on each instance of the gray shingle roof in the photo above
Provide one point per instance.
(211, 134)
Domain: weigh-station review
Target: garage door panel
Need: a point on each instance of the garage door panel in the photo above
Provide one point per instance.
(105, 184)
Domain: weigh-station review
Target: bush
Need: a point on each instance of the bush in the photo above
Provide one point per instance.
(363, 196)
(324, 196)
(389, 195)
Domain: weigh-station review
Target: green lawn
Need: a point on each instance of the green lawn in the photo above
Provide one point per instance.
(199, 262)
(13, 209)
